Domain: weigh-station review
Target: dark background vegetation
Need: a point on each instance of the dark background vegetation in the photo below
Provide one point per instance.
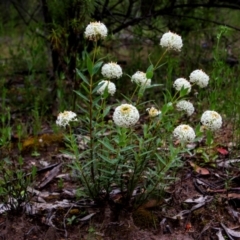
(41, 42)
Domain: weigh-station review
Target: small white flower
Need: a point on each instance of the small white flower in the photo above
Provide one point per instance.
(111, 88)
(200, 78)
(186, 106)
(95, 31)
(211, 120)
(182, 83)
(171, 41)
(184, 133)
(126, 115)
(141, 79)
(153, 112)
(111, 70)
(65, 117)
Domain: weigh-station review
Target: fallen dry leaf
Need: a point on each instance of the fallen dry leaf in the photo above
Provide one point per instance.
(200, 170)
(222, 151)
(49, 176)
(230, 231)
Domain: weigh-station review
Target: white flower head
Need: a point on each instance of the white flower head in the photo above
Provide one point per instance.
(65, 118)
(111, 70)
(111, 88)
(171, 41)
(186, 106)
(126, 115)
(95, 31)
(200, 78)
(182, 83)
(184, 133)
(211, 120)
(153, 112)
(141, 79)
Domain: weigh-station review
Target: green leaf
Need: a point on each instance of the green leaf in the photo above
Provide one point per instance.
(97, 66)
(183, 91)
(96, 100)
(160, 159)
(82, 96)
(89, 65)
(106, 111)
(150, 68)
(126, 98)
(146, 153)
(155, 85)
(149, 73)
(106, 159)
(97, 87)
(81, 75)
(108, 146)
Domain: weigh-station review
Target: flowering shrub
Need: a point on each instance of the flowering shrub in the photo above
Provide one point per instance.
(125, 152)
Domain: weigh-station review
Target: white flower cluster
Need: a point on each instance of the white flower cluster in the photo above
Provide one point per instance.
(184, 133)
(200, 78)
(111, 88)
(153, 112)
(126, 115)
(65, 118)
(111, 70)
(211, 120)
(95, 31)
(171, 41)
(141, 79)
(182, 83)
(186, 106)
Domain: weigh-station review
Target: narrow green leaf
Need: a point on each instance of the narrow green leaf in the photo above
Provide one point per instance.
(97, 87)
(81, 75)
(149, 73)
(106, 159)
(97, 66)
(150, 68)
(96, 100)
(183, 91)
(90, 65)
(106, 110)
(160, 159)
(107, 145)
(155, 85)
(82, 96)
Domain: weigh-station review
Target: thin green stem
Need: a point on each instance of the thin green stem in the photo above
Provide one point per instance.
(159, 60)
(134, 92)
(91, 126)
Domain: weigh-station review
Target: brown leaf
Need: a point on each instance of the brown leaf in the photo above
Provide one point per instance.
(222, 151)
(200, 170)
(49, 176)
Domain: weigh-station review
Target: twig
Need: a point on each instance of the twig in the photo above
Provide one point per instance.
(64, 222)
